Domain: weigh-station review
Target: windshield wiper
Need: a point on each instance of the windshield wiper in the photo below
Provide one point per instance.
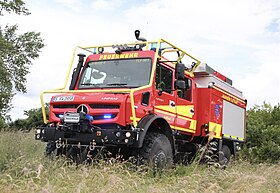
(91, 84)
(117, 84)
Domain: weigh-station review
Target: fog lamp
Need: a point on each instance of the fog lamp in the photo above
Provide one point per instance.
(128, 134)
(118, 134)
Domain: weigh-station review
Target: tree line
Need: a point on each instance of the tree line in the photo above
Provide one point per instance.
(17, 51)
(263, 134)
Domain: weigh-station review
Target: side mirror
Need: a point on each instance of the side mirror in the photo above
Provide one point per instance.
(180, 71)
(188, 84)
(180, 84)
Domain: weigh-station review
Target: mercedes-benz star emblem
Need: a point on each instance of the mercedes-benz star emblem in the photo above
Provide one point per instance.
(82, 108)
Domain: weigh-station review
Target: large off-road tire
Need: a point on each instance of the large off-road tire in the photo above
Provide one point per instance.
(51, 150)
(225, 156)
(209, 153)
(156, 151)
(77, 155)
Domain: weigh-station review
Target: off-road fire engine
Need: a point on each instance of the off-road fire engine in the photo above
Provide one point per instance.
(148, 99)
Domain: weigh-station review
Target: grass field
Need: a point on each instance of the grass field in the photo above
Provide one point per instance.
(23, 168)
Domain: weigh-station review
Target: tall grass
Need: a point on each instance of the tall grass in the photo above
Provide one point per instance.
(23, 168)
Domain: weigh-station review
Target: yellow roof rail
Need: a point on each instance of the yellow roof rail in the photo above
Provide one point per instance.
(161, 48)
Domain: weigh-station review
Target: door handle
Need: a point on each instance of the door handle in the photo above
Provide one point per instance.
(172, 104)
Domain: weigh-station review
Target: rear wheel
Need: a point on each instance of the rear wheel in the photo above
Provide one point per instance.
(225, 156)
(156, 151)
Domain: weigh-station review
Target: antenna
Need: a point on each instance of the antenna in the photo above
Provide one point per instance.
(137, 35)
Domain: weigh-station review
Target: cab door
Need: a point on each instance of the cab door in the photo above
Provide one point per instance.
(185, 109)
(165, 96)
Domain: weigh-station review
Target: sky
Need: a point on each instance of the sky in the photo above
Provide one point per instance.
(240, 39)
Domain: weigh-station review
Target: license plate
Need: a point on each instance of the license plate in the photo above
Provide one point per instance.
(63, 98)
(71, 117)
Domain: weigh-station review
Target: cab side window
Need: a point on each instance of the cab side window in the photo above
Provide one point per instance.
(187, 92)
(164, 79)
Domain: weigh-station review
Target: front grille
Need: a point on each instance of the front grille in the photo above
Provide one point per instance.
(104, 106)
(93, 106)
(66, 106)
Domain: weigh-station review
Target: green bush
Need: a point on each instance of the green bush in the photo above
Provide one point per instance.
(3, 123)
(33, 120)
(263, 134)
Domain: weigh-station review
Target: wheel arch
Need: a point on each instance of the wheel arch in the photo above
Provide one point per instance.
(154, 123)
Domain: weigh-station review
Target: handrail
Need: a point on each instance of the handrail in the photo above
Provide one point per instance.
(130, 91)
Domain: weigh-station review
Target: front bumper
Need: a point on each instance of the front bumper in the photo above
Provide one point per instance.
(95, 137)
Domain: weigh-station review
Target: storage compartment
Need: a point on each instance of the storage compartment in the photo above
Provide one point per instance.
(233, 121)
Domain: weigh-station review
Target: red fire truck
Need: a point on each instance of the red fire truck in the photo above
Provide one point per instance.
(148, 99)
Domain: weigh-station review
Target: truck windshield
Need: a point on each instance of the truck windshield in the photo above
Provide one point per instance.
(116, 73)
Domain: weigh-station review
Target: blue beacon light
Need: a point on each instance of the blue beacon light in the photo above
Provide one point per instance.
(60, 115)
(107, 116)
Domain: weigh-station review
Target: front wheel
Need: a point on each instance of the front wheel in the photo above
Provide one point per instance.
(156, 151)
(77, 155)
(51, 150)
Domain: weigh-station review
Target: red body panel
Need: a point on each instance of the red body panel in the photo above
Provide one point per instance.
(210, 107)
(203, 110)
